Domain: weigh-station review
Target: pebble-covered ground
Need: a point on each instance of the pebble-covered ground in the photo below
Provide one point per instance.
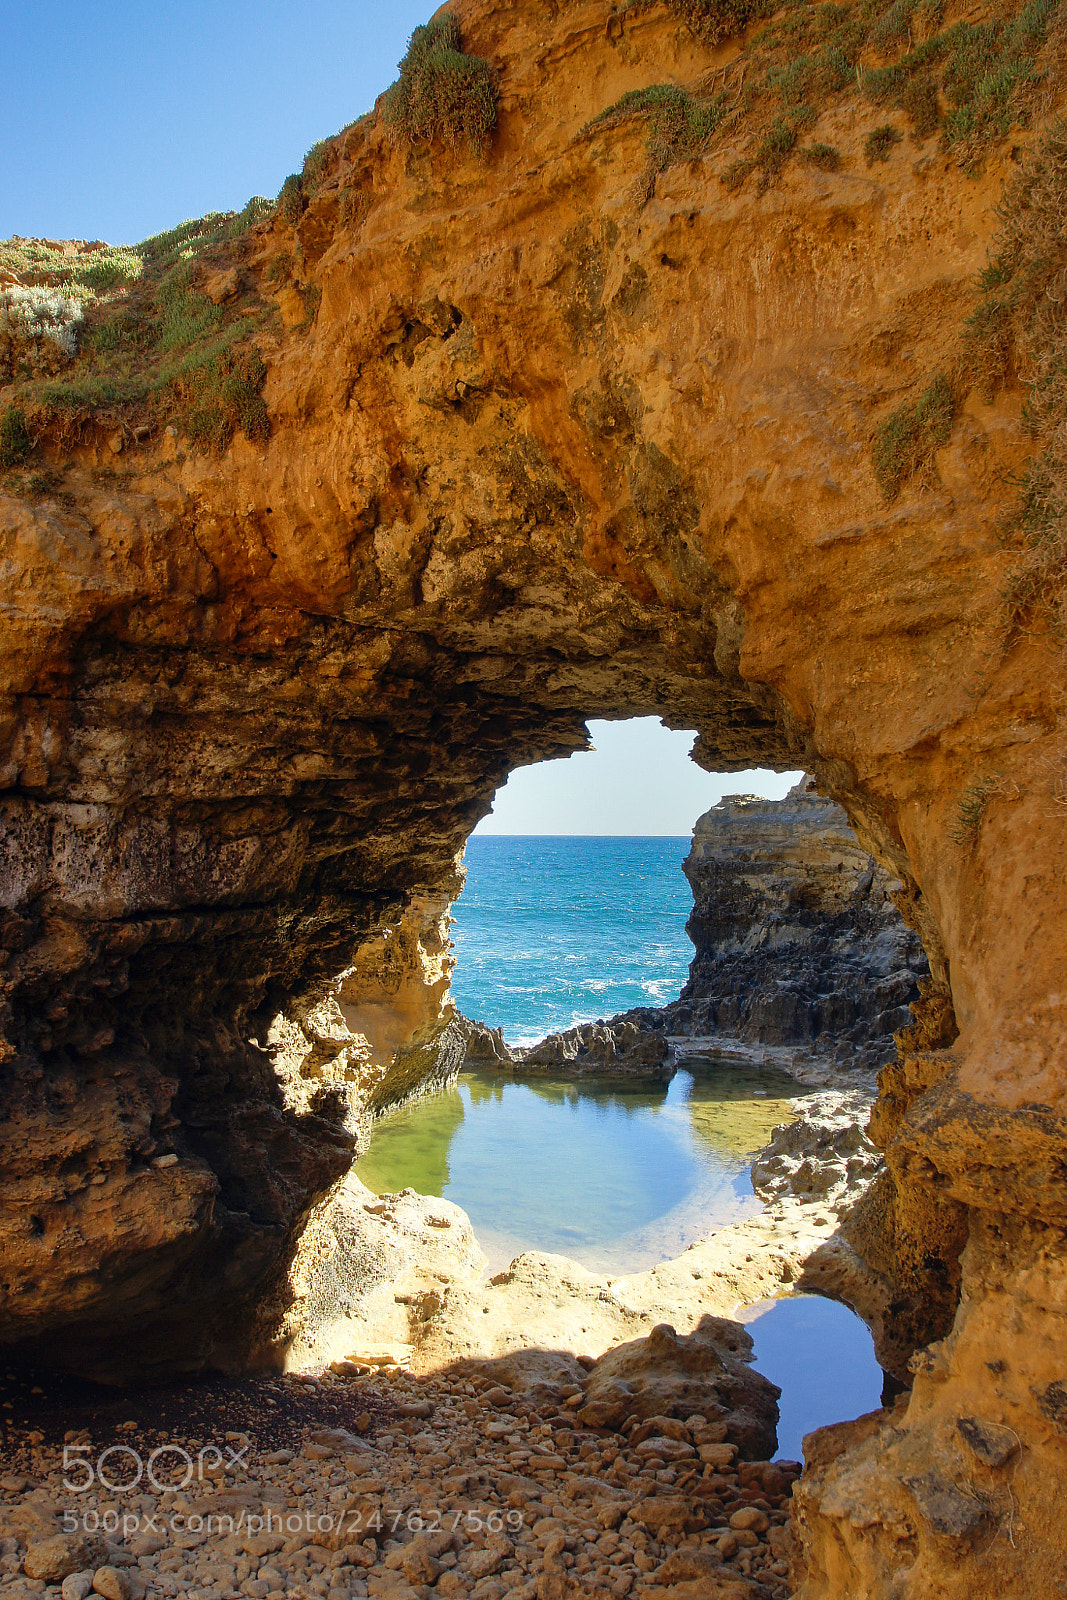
(380, 1484)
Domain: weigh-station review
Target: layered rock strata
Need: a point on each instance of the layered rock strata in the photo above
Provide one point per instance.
(797, 938)
(541, 449)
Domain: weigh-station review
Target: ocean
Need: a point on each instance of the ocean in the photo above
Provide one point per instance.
(556, 930)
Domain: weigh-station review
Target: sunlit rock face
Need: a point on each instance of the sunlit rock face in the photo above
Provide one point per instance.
(544, 454)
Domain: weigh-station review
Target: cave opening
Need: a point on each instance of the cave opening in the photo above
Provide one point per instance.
(575, 903)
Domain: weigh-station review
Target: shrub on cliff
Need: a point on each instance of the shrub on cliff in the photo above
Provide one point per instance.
(45, 313)
(15, 441)
(441, 93)
(678, 126)
(291, 199)
(221, 394)
(715, 20)
(906, 441)
(878, 145)
(1018, 332)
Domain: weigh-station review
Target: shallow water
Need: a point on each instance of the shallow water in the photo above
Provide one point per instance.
(618, 1175)
(822, 1357)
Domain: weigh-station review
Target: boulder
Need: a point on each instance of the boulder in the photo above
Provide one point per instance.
(672, 1375)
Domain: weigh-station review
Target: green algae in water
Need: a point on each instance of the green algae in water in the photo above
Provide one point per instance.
(617, 1174)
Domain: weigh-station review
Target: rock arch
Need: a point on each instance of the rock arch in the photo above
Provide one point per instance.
(544, 454)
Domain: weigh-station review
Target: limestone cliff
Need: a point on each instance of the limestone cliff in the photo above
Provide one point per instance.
(797, 939)
(797, 943)
(545, 434)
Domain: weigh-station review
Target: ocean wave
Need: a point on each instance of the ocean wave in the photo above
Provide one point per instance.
(553, 932)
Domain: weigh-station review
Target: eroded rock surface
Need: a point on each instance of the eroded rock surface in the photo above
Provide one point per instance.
(545, 453)
(618, 1046)
(797, 939)
(668, 1375)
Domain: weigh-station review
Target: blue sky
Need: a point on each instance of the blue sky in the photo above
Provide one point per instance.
(119, 120)
(639, 781)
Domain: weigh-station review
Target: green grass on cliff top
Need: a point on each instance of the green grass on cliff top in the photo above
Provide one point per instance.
(146, 333)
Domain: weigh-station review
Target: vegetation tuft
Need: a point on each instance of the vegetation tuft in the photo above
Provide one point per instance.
(825, 156)
(715, 20)
(221, 393)
(968, 82)
(130, 328)
(983, 70)
(15, 442)
(291, 199)
(971, 809)
(1018, 332)
(678, 125)
(906, 441)
(317, 163)
(441, 94)
(878, 145)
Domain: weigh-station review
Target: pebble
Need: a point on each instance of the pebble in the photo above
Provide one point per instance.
(422, 1501)
(112, 1583)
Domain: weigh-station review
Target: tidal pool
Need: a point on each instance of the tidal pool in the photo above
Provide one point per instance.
(822, 1358)
(617, 1175)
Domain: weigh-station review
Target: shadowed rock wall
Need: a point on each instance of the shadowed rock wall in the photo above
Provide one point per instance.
(797, 939)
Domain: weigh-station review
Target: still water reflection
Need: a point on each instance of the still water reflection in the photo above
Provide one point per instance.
(615, 1175)
(822, 1357)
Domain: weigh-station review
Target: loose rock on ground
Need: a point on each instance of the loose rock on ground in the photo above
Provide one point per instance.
(480, 1482)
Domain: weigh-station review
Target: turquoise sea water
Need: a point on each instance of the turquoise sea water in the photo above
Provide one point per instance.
(616, 1174)
(557, 930)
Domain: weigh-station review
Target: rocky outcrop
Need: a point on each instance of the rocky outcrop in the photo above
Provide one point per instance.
(798, 944)
(541, 449)
(619, 1046)
(797, 939)
(818, 1157)
(668, 1375)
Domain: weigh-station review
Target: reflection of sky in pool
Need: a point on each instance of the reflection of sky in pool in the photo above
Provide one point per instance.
(617, 1175)
(821, 1356)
